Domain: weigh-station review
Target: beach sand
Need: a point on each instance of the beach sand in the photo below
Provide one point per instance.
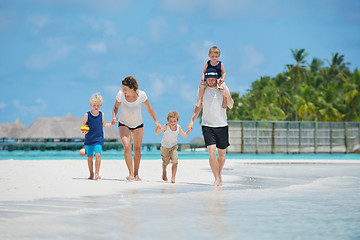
(22, 180)
(260, 199)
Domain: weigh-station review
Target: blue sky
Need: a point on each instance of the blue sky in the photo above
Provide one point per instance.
(56, 54)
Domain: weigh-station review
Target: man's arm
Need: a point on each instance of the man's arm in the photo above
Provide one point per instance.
(194, 116)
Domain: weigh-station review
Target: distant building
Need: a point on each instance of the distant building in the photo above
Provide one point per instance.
(58, 129)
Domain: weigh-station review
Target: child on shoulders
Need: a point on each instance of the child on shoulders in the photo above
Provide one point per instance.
(218, 66)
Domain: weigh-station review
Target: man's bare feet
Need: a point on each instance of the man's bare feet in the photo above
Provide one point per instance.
(91, 176)
(216, 183)
(173, 179)
(130, 178)
(164, 177)
(137, 178)
(97, 176)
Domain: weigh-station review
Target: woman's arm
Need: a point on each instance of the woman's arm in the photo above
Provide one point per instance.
(160, 130)
(151, 112)
(105, 124)
(114, 112)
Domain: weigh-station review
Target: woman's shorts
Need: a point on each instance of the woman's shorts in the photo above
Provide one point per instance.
(216, 135)
(130, 128)
(169, 155)
(90, 150)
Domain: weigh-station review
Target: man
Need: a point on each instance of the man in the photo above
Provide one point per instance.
(214, 123)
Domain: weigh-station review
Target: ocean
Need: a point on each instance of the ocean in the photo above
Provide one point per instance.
(264, 200)
(155, 154)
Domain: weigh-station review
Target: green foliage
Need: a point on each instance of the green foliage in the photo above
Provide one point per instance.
(303, 92)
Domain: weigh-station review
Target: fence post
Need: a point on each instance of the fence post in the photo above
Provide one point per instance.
(257, 136)
(315, 136)
(287, 137)
(300, 126)
(242, 137)
(331, 138)
(345, 137)
(273, 137)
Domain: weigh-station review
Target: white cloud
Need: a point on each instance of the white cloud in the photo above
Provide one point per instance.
(105, 26)
(158, 84)
(189, 92)
(200, 49)
(89, 70)
(158, 28)
(38, 22)
(2, 106)
(98, 47)
(253, 58)
(112, 90)
(55, 51)
(92, 5)
(35, 109)
(184, 6)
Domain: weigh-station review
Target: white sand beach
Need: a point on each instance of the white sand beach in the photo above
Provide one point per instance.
(22, 180)
(260, 199)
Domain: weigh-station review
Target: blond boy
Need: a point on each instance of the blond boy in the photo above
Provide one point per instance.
(94, 137)
(217, 66)
(169, 145)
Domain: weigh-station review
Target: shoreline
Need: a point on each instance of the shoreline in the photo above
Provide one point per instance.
(24, 180)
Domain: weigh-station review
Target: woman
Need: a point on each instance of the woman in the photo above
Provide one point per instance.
(130, 122)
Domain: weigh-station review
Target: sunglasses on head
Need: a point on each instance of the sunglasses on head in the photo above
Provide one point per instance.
(128, 82)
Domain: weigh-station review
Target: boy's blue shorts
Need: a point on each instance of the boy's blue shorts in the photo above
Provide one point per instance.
(90, 150)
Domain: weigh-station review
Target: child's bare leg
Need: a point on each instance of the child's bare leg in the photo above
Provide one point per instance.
(224, 104)
(173, 169)
(91, 168)
(164, 177)
(226, 93)
(202, 87)
(97, 165)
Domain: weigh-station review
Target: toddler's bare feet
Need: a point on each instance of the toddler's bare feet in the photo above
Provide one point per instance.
(91, 176)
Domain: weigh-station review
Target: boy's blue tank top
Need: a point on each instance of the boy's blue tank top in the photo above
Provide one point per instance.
(217, 68)
(95, 136)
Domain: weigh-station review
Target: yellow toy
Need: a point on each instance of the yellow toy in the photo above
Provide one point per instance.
(84, 129)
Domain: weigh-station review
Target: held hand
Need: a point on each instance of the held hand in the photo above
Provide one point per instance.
(190, 126)
(157, 125)
(114, 120)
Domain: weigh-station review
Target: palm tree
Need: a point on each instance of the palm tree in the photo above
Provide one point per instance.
(306, 108)
(298, 71)
(352, 97)
(328, 104)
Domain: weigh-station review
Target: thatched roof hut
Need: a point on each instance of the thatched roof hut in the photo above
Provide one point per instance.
(12, 130)
(67, 127)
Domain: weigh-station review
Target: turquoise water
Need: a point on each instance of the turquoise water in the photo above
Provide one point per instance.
(155, 154)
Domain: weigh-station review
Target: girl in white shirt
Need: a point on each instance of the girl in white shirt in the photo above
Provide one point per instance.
(131, 123)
